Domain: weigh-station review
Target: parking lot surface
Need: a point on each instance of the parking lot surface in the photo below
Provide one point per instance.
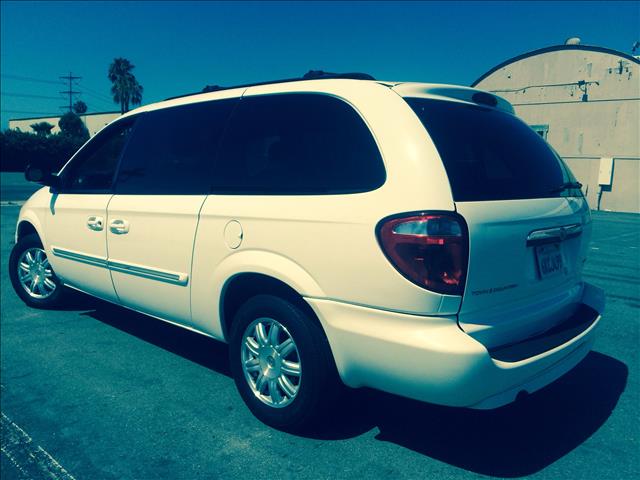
(98, 392)
(13, 187)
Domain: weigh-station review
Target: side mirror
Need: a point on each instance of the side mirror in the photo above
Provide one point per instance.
(38, 174)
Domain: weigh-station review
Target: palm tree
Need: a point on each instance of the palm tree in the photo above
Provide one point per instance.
(125, 88)
(80, 107)
(42, 129)
(136, 92)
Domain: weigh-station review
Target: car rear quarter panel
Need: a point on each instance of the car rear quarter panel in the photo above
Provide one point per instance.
(326, 246)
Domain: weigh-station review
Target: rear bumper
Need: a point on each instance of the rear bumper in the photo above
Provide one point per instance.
(433, 360)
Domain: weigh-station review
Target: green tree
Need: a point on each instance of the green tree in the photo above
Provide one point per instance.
(125, 88)
(19, 149)
(80, 107)
(72, 126)
(42, 129)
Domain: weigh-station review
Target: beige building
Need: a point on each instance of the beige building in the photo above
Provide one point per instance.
(93, 121)
(585, 101)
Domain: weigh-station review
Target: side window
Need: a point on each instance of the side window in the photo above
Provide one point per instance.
(297, 144)
(173, 149)
(92, 171)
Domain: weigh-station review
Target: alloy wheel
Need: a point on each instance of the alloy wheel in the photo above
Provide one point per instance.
(271, 362)
(35, 273)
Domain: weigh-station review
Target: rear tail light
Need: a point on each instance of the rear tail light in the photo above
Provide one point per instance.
(430, 249)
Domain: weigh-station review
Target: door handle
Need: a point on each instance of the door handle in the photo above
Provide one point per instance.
(95, 223)
(119, 227)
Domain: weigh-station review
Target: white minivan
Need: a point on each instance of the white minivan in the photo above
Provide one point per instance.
(414, 238)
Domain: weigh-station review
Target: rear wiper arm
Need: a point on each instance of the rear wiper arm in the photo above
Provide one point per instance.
(567, 186)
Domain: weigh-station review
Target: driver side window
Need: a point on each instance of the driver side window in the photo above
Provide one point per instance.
(93, 170)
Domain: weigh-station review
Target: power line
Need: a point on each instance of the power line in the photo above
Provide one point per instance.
(28, 95)
(98, 105)
(96, 94)
(100, 100)
(47, 114)
(97, 99)
(104, 103)
(70, 92)
(30, 79)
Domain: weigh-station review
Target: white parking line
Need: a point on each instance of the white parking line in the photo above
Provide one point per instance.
(26, 456)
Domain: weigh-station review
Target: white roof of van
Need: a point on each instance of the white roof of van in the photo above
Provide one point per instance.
(404, 89)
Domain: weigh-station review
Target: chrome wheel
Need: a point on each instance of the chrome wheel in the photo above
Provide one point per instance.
(271, 362)
(35, 273)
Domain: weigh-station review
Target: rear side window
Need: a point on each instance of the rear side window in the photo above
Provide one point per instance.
(171, 151)
(297, 144)
(491, 155)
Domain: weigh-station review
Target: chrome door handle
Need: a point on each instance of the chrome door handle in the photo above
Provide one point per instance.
(95, 223)
(119, 227)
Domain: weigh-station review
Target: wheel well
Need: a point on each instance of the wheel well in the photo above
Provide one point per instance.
(246, 285)
(24, 229)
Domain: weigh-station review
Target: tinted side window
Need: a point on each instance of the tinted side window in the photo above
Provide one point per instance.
(94, 167)
(172, 150)
(491, 155)
(297, 144)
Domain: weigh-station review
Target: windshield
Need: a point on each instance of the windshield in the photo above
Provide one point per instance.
(492, 155)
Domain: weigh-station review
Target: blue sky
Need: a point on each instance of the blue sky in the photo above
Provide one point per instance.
(179, 47)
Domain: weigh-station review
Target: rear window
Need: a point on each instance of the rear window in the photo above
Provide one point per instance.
(491, 155)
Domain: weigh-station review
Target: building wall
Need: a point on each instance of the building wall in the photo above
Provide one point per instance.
(549, 89)
(93, 121)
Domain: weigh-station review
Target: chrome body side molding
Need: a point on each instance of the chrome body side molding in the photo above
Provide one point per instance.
(151, 273)
(80, 257)
(174, 278)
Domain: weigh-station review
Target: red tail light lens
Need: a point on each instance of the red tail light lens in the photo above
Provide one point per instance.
(430, 249)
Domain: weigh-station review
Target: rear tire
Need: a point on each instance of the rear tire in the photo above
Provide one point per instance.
(282, 364)
(32, 276)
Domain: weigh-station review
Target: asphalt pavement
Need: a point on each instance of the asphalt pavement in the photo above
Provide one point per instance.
(14, 187)
(97, 392)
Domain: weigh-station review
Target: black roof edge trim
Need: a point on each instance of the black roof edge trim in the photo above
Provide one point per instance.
(556, 48)
(310, 75)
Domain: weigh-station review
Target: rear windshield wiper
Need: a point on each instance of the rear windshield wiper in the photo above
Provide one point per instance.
(567, 186)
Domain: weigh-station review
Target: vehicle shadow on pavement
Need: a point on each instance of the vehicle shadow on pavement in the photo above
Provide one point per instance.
(190, 345)
(513, 441)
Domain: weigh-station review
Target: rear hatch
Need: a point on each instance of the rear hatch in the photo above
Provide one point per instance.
(528, 223)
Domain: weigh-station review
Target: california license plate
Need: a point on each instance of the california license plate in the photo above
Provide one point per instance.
(550, 261)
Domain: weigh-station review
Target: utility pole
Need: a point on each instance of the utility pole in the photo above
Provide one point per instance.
(70, 92)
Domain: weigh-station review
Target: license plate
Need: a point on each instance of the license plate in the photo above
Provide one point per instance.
(550, 261)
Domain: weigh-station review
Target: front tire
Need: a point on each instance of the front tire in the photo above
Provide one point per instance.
(32, 277)
(282, 364)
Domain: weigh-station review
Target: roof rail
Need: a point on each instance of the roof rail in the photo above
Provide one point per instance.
(310, 75)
